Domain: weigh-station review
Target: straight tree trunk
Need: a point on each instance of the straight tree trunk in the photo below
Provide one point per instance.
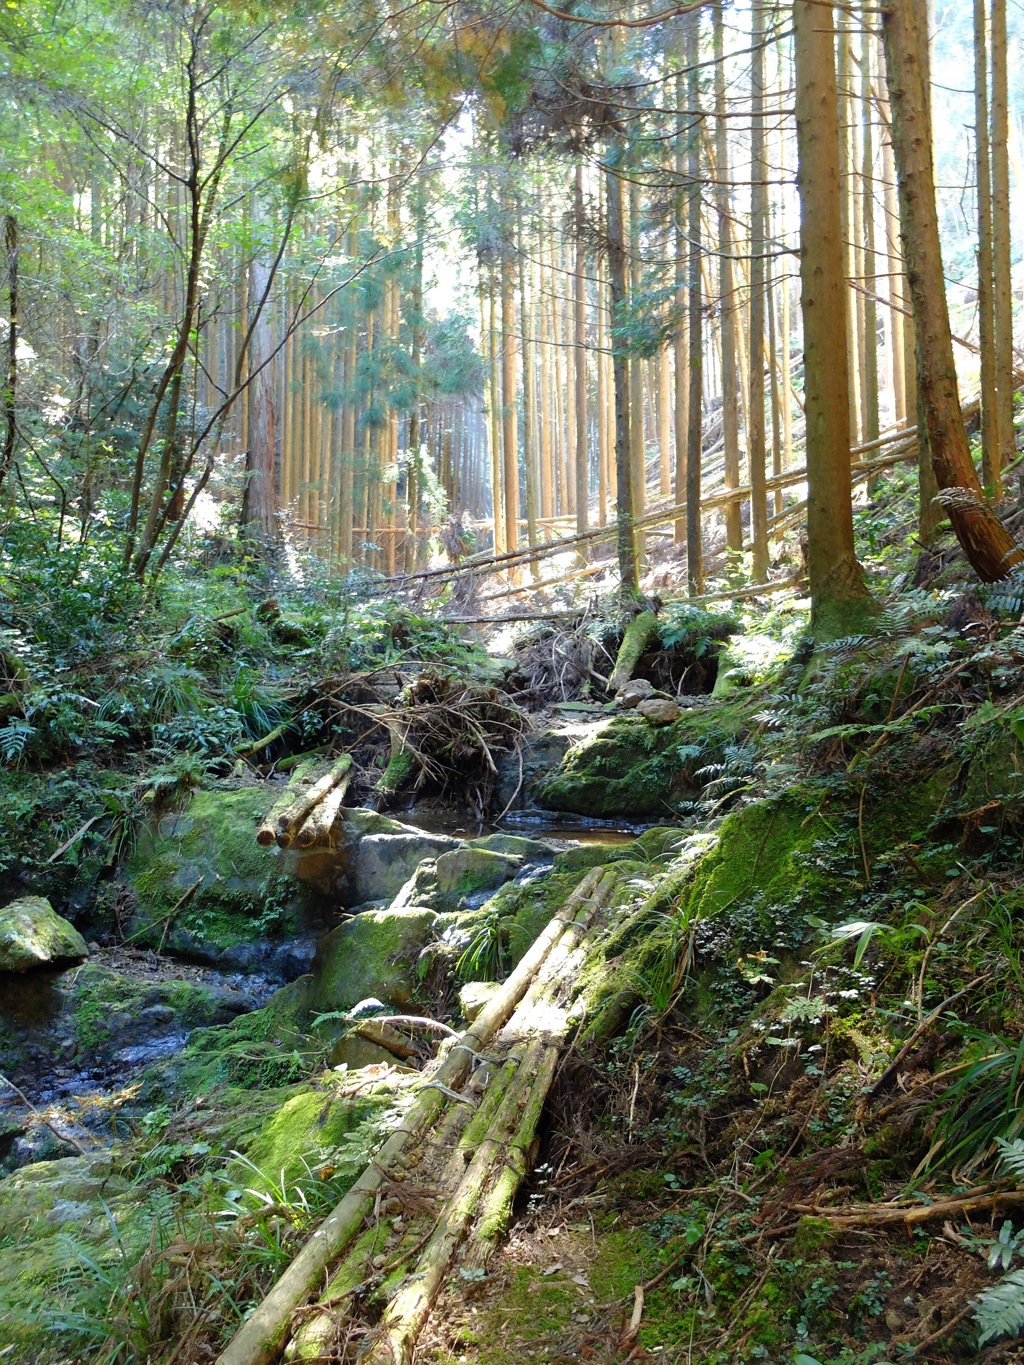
(694, 548)
(849, 206)
(986, 301)
(530, 461)
(681, 340)
(837, 586)
(11, 376)
(1002, 235)
(547, 477)
(637, 446)
(758, 248)
(897, 320)
(580, 357)
(493, 415)
(604, 427)
(509, 401)
(869, 337)
(259, 502)
(727, 301)
(987, 544)
(625, 516)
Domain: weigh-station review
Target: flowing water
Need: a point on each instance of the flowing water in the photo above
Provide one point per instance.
(62, 1084)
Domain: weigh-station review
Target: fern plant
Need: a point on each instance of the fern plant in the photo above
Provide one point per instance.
(999, 1310)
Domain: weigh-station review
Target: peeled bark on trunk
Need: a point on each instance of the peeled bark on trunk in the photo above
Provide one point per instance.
(835, 577)
(987, 544)
(265, 1330)
(316, 829)
(290, 820)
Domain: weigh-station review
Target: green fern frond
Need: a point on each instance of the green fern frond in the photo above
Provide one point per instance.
(999, 1311)
(1011, 1157)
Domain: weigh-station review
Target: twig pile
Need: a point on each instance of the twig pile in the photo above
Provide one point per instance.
(451, 733)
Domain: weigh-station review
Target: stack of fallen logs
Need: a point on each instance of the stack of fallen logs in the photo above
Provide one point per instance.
(307, 820)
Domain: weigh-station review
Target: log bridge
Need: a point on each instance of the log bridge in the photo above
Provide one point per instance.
(307, 820)
(437, 1197)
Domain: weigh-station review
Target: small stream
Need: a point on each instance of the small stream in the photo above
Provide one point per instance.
(75, 1061)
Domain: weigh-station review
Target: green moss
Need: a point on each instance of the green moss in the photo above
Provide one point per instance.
(526, 910)
(630, 768)
(240, 891)
(814, 1238)
(259, 1051)
(306, 1129)
(374, 954)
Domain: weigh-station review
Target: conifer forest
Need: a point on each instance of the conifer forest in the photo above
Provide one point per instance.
(511, 682)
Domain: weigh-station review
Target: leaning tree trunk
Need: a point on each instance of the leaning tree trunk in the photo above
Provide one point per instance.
(987, 544)
(835, 577)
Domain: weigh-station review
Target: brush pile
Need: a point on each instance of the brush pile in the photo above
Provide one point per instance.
(446, 737)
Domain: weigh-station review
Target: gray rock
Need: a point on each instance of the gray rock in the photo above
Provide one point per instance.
(33, 935)
(355, 1053)
(381, 864)
(530, 850)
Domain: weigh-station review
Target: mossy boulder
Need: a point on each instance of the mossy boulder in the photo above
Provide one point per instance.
(373, 955)
(529, 850)
(51, 1216)
(630, 769)
(204, 888)
(33, 935)
(626, 769)
(468, 871)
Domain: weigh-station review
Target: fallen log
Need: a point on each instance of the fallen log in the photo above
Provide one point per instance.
(640, 634)
(472, 1163)
(317, 828)
(262, 1335)
(304, 765)
(292, 817)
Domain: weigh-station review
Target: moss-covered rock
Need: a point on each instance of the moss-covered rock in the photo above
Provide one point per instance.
(32, 935)
(373, 955)
(205, 889)
(53, 1214)
(628, 768)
